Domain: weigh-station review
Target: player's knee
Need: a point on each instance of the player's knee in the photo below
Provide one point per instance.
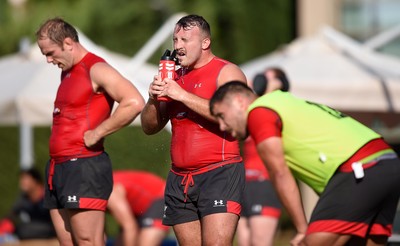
(217, 242)
(65, 239)
(262, 239)
(217, 239)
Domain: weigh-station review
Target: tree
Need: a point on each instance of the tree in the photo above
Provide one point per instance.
(241, 29)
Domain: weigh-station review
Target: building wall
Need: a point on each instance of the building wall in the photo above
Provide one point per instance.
(313, 14)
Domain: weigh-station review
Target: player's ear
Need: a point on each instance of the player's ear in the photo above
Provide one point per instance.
(240, 102)
(205, 44)
(67, 44)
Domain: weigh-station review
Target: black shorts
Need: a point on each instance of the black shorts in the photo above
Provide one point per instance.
(359, 207)
(260, 198)
(153, 216)
(82, 183)
(217, 191)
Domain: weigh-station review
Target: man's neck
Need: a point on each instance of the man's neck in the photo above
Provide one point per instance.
(80, 52)
(204, 60)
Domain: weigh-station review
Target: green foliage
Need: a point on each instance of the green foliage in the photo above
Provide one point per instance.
(128, 148)
(41, 137)
(9, 168)
(241, 30)
(126, 28)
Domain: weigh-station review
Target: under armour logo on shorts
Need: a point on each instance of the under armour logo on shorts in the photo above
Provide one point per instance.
(72, 199)
(218, 203)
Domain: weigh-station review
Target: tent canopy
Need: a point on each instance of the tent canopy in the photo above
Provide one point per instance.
(332, 69)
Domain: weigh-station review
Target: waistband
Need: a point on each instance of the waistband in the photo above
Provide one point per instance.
(60, 160)
(188, 175)
(367, 154)
(255, 175)
(347, 167)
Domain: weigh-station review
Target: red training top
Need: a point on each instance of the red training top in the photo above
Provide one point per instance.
(142, 188)
(196, 141)
(77, 108)
(255, 168)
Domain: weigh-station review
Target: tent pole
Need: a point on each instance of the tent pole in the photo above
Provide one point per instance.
(26, 145)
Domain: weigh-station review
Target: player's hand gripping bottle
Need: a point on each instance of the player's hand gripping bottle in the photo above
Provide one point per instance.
(166, 69)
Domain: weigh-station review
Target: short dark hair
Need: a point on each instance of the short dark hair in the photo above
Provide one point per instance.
(190, 21)
(231, 87)
(56, 29)
(34, 173)
(281, 75)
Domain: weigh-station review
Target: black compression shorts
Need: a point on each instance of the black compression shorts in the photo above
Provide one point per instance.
(260, 198)
(359, 207)
(217, 191)
(82, 183)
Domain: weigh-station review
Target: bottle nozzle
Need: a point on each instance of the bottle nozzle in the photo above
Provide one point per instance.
(167, 53)
(173, 55)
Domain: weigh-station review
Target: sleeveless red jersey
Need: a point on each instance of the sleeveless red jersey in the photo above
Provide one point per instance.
(197, 142)
(255, 168)
(142, 188)
(77, 108)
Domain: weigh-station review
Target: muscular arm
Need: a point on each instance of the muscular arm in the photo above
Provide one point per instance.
(130, 101)
(271, 152)
(120, 210)
(200, 105)
(154, 117)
